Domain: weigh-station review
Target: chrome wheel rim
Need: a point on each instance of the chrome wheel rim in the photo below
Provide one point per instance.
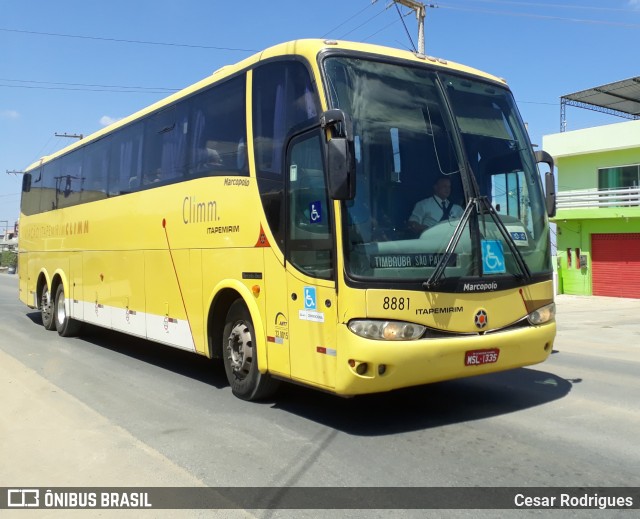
(46, 303)
(61, 312)
(240, 349)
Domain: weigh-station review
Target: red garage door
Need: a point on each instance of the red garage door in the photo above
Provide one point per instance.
(615, 261)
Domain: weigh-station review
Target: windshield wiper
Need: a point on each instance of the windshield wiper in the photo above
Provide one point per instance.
(477, 203)
(522, 264)
(434, 279)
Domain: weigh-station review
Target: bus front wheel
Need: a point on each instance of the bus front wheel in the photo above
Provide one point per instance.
(240, 356)
(67, 327)
(46, 308)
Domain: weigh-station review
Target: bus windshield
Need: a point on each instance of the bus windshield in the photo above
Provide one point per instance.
(445, 176)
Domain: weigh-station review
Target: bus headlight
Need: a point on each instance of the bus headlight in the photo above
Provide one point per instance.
(386, 330)
(543, 315)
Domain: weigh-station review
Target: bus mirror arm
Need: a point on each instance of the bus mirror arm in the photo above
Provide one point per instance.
(340, 154)
(549, 182)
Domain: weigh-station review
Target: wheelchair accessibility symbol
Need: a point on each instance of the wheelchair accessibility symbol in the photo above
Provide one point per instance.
(315, 212)
(493, 257)
(309, 298)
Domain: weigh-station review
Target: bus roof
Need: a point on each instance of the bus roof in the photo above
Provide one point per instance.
(308, 48)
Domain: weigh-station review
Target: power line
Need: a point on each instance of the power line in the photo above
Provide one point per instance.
(382, 29)
(405, 27)
(542, 16)
(538, 103)
(561, 6)
(364, 23)
(86, 87)
(118, 40)
(348, 19)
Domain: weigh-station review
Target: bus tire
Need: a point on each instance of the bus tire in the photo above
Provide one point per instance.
(67, 327)
(46, 309)
(240, 356)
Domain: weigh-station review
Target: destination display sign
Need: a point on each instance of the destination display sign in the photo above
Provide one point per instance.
(395, 261)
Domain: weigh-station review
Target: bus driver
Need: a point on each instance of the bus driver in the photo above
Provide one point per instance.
(436, 208)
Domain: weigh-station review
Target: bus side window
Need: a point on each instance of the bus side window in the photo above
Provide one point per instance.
(30, 203)
(71, 179)
(283, 97)
(165, 143)
(125, 161)
(217, 130)
(95, 168)
(50, 174)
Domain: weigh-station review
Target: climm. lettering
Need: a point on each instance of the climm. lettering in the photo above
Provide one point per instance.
(194, 211)
(81, 227)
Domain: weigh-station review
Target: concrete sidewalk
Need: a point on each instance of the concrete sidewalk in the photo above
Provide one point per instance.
(40, 425)
(49, 439)
(598, 326)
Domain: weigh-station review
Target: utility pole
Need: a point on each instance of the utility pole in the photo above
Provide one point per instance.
(70, 135)
(421, 12)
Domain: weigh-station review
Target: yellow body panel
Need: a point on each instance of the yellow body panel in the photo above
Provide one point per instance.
(312, 331)
(455, 312)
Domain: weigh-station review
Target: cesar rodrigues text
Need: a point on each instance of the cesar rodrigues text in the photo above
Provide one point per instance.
(573, 501)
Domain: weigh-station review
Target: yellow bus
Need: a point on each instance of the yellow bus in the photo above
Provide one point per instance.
(264, 216)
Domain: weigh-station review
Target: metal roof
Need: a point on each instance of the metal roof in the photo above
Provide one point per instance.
(621, 98)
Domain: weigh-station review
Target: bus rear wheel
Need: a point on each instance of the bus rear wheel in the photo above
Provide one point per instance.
(240, 356)
(67, 327)
(46, 309)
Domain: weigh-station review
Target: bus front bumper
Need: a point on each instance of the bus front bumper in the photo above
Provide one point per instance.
(370, 366)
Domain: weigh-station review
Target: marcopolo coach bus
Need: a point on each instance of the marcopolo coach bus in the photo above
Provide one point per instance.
(261, 216)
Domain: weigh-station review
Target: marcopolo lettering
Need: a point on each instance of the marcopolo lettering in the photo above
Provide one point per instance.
(479, 287)
(236, 181)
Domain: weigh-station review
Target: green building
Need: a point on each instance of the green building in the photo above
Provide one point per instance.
(598, 175)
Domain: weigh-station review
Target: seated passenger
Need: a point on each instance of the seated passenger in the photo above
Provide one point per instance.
(208, 159)
(153, 176)
(212, 157)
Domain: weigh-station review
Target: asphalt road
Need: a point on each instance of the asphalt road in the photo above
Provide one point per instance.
(106, 409)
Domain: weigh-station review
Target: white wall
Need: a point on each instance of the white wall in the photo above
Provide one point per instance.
(611, 137)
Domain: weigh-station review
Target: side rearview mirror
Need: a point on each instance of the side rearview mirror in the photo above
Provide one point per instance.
(549, 182)
(26, 182)
(340, 154)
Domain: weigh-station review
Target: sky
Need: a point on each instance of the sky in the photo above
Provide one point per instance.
(74, 66)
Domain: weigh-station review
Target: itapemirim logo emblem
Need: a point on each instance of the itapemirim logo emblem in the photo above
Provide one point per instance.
(481, 319)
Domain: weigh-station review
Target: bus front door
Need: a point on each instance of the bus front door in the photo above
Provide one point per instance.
(309, 265)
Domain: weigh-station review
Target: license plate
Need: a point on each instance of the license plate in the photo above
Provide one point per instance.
(479, 357)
